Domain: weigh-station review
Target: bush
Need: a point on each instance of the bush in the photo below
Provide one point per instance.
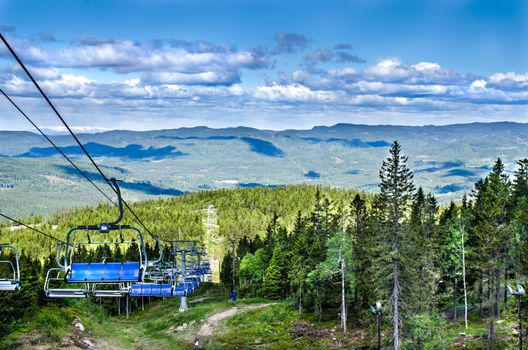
(425, 332)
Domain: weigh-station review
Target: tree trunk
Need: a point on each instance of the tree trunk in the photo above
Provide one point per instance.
(497, 292)
(505, 288)
(464, 280)
(481, 296)
(300, 299)
(455, 302)
(396, 316)
(318, 307)
(491, 309)
(343, 301)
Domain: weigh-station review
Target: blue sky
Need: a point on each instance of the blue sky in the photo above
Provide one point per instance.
(268, 64)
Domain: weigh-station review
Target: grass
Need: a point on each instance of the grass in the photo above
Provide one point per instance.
(270, 327)
(49, 324)
(478, 329)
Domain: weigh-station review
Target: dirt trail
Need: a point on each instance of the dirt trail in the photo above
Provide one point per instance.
(211, 324)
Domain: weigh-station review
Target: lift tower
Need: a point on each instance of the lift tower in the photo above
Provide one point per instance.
(183, 247)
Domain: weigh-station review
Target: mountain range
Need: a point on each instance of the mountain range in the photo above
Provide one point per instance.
(446, 160)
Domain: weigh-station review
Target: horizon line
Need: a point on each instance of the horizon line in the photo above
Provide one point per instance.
(85, 130)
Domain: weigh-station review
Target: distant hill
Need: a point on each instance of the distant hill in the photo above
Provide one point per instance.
(447, 160)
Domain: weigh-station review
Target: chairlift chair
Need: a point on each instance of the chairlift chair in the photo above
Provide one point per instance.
(9, 282)
(159, 278)
(106, 279)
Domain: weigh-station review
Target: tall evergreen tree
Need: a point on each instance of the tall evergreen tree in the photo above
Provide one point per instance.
(396, 191)
(421, 274)
(363, 242)
(275, 279)
(493, 233)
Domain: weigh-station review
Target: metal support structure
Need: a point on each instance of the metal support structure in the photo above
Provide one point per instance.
(520, 321)
(519, 292)
(183, 247)
(183, 302)
(378, 324)
(376, 309)
(127, 306)
(233, 281)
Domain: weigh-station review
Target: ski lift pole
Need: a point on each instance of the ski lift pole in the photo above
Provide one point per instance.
(376, 310)
(233, 291)
(518, 292)
(183, 302)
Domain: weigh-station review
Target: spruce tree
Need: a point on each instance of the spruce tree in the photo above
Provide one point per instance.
(421, 274)
(276, 274)
(493, 233)
(520, 183)
(363, 241)
(396, 191)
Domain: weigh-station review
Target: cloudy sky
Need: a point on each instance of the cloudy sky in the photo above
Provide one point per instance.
(268, 64)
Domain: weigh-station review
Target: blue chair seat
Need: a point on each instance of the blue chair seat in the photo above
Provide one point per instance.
(151, 290)
(194, 280)
(179, 291)
(104, 272)
(188, 287)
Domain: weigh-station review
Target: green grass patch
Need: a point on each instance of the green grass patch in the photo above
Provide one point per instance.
(268, 327)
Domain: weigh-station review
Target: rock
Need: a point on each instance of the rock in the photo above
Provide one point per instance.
(79, 326)
(179, 328)
(88, 343)
(462, 334)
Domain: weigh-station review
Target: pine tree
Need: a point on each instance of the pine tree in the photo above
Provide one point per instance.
(363, 241)
(520, 183)
(493, 233)
(396, 191)
(520, 218)
(299, 265)
(421, 274)
(275, 280)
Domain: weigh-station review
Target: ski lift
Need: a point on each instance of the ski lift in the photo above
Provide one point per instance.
(106, 278)
(9, 271)
(159, 278)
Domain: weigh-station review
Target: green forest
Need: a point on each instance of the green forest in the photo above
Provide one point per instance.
(327, 255)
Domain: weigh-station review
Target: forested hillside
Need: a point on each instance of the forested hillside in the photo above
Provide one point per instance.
(446, 160)
(330, 254)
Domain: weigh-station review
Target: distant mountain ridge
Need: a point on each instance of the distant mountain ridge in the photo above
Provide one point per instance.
(447, 159)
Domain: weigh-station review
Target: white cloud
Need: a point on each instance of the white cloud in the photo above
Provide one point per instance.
(426, 66)
(196, 64)
(293, 93)
(498, 77)
(186, 79)
(202, 78)
(479, 84)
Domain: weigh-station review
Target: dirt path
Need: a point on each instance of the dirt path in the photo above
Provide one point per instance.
(211, 324)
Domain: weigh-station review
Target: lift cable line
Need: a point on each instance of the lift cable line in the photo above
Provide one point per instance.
(56, 147)
(70, 130)
(61, 152)
(32, 228)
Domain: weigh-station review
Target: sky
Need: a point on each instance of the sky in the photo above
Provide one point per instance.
(144, 65)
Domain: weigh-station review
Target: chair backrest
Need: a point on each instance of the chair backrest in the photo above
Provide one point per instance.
(151, 290)
(10, 282)
(105, 272)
